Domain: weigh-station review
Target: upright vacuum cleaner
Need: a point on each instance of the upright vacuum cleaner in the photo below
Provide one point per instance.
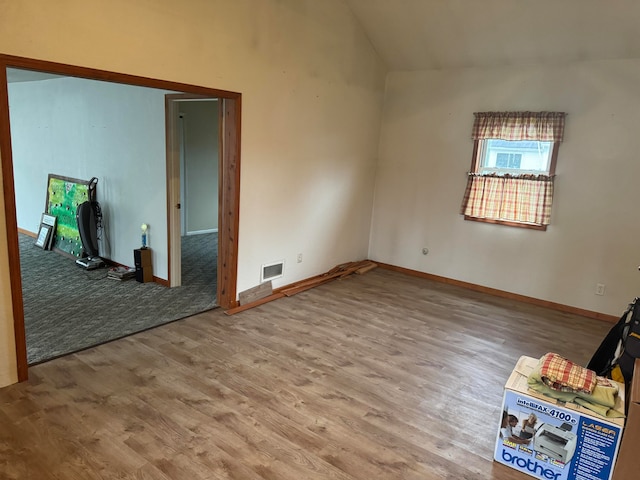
(89, 219)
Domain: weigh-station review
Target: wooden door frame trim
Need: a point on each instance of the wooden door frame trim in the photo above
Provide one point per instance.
(10, 215)
(229, 201)
(229, 181)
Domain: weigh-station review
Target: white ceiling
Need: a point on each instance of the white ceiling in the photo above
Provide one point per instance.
(15, 75)
(435, 34)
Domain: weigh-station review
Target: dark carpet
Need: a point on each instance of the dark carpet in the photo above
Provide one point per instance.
(67, 308)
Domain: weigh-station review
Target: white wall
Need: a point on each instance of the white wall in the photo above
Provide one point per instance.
(82, 129)
(425, 152)
(312, 89)
(201, 124)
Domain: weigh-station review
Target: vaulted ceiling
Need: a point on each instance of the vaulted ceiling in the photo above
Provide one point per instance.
(436, 34)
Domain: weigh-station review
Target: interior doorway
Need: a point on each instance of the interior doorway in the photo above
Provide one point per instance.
(193, 152)
(229, 180)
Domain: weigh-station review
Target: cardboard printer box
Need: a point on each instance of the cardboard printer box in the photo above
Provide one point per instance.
(566, 442)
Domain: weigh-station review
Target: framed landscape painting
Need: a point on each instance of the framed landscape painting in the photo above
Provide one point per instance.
(64, 194)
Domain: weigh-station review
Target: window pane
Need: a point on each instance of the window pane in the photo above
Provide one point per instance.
(508, 160)
(515, 157)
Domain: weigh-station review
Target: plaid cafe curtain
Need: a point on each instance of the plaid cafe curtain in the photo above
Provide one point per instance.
(519, 198)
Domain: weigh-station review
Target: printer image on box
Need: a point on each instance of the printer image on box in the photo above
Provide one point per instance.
(558, 443)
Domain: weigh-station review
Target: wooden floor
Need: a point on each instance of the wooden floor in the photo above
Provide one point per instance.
(378, 376)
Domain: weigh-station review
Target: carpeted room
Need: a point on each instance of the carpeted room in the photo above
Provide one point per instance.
(67, 307)
(314, 158)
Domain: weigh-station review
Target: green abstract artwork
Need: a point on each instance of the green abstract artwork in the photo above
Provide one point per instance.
(63, 197)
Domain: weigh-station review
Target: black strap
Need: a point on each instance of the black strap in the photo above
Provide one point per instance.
(602, 360)
(92, 189)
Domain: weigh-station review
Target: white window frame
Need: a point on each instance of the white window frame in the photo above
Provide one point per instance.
(484, 170)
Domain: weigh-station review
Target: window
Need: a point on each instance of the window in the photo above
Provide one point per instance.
(506, 161)
(506, 157)
(513, 167)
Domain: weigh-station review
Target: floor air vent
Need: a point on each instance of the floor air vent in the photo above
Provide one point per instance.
(271, 271)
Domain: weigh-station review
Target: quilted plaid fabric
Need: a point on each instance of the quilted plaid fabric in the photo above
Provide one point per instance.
(560, 374)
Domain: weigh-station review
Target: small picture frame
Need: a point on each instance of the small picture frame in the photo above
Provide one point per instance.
(48, 220)
(43, 236)
(47, 231)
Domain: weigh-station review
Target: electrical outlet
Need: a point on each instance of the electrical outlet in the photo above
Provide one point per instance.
(299, 258)
(600, 289)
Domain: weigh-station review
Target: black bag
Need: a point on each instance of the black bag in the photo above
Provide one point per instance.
(620, 347)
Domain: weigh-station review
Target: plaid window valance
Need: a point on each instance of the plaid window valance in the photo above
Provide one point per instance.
(524, 198)
(540, 126)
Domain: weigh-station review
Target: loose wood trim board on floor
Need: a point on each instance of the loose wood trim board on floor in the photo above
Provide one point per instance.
(339, 271)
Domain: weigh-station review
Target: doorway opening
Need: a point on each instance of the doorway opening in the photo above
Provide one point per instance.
(229, 176)
(193, 151)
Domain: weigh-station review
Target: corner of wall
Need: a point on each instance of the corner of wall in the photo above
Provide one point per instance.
(8, 365)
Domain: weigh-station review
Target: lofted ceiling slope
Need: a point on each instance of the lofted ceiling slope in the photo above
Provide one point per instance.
(439, 34)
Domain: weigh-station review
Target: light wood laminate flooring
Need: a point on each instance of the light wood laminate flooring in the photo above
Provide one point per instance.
(375, 376)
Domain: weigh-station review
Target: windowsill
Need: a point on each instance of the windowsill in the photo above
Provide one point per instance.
(507, 223)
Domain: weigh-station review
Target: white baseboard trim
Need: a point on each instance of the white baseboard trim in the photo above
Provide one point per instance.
(200, 232)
